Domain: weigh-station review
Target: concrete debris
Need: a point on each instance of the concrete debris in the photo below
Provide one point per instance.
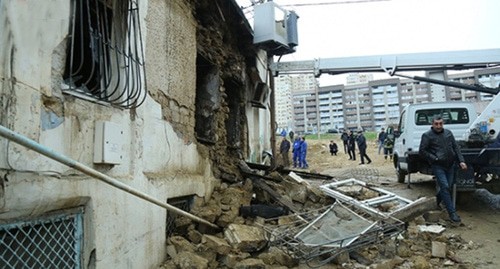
(246, 238)
(275, 256)
(436, 229)
(438, 249)
(189, 260)
(242, 243)
(297, 178)
(232, 259)
(219, 245)
(250, 264)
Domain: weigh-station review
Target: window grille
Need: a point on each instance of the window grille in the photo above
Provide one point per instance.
(49, 242)
(183, 203)
(105, 58)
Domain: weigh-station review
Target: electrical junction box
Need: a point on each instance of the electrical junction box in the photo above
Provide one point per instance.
(275, 28)
(108, 143)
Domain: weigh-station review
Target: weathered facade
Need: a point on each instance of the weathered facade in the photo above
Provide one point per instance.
(195, 122)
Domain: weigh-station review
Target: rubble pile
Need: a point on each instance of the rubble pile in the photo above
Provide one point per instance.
(240, 209)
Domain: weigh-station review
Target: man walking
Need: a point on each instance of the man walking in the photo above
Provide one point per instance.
(361, 140)
(284, 149)
(439, 147)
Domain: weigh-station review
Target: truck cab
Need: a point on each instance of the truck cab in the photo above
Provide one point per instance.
(416, 119)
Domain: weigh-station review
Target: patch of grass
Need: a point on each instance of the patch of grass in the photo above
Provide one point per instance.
(370, 136)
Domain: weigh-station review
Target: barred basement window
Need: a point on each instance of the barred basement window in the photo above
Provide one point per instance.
(184, 203)
(54, 241)
(105, 59)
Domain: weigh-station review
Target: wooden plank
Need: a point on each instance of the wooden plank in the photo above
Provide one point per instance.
(260, 183)
(415, 209)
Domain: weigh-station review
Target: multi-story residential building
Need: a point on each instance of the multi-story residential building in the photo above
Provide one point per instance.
(296, 94)
(331, 110)
(385, 102)
(377, 104)
(283, 99)
(305, 108)
(413, 92)
(358, 78)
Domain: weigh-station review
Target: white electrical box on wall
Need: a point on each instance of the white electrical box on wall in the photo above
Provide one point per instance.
(108, 143)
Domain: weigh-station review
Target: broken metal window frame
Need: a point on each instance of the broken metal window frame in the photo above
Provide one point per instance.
(283, 233)
(369, 204)
(343, 241)
(105, 61)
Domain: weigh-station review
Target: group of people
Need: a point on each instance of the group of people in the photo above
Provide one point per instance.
(299, 151)
(437, 146)
(350, 140)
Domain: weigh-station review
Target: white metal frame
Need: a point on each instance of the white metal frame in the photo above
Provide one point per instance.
(368, 204)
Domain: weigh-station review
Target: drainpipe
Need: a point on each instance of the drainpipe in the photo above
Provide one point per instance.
(24, 141)
(273, 116)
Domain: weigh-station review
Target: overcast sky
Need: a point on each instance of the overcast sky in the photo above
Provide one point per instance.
(392, 27)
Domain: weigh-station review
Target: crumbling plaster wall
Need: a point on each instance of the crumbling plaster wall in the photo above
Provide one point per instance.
(160, 155)
(209, 30)
(171, 68)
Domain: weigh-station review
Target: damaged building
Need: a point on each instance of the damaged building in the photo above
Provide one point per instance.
(166, 97)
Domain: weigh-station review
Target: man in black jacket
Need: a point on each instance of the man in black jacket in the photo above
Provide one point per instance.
(361, 140)
(351, 146)
(284, 149)
(439, 147)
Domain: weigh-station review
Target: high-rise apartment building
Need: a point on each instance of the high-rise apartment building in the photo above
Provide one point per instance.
(331, 110)
(376, 104)
(358, 78)
(283, 99)
(297, 113)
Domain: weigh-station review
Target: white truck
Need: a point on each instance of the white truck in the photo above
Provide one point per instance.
(473, 133)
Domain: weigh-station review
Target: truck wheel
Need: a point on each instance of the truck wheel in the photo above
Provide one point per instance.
(401, 174)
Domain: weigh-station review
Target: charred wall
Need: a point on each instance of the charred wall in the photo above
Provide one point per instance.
(224, 57)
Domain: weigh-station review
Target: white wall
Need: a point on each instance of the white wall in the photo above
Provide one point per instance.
(125, 231)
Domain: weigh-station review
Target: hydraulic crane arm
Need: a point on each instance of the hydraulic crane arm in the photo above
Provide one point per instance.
(475, 87)
(447, 60)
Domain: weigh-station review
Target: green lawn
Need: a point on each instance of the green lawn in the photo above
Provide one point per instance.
(370, 136)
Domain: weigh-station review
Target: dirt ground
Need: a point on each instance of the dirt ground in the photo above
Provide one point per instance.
(481, 220)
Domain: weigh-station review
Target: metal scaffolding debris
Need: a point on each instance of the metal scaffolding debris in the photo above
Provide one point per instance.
(319, 236)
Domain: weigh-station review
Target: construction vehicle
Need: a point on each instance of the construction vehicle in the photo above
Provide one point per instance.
(276, 32)
(475, 133)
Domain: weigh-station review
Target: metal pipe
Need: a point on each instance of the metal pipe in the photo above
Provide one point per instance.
(272, 111)
(24, 141)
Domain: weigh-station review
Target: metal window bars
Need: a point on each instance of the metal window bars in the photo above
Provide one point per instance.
(50, 242)
(105, 54)
(319, 236)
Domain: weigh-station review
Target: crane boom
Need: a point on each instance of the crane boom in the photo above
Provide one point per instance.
(446, 60)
